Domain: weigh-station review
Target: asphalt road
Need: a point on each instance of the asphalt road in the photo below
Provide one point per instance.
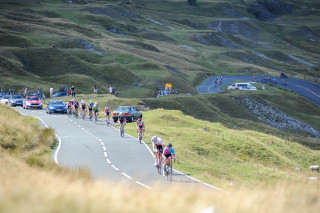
(306, 89)
(100, 148)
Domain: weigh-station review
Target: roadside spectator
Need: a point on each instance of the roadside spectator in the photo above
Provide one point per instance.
(73, 91)
(155, 93)
(95, 91)
(26, 91)
(116, 93)
(111, 90)
(53, 45)
(51, 92)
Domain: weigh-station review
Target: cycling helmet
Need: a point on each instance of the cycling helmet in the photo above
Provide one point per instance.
(139, 119)
(169, 145)
(82, 100)
(73, 100)
(154, 139)
(121, 113)
(95, 103)
(70, 100)
(91, 102)
(106, 108)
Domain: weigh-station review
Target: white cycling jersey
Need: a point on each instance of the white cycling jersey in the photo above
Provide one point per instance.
(159, 141)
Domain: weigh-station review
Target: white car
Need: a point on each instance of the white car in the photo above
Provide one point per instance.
(242, 86)
(5, 99)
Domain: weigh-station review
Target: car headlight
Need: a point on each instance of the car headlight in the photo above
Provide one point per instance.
(28, 104)
(51, 107)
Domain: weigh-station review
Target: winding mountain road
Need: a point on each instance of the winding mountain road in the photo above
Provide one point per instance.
(100, 148)
(306, 89)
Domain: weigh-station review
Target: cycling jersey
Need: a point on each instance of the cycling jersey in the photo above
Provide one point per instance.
(76, 104)
(140, 124)
(167, 153)
(159, 141)
(90, 107)
(69, 104)
(122, 119)
(83, 106)
(95, 109)
(107, 111)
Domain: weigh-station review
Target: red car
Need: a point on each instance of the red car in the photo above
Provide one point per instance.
(32, 102)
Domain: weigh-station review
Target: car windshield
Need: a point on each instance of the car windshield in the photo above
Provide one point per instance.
(33, 98)
(16, 96)
(123, 109)
(57, 103)
(6, 97)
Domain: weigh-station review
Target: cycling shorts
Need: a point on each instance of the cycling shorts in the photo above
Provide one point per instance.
(76, 107)
(108, 113)
(159, 148)
(90, 109)
(84, 108)
(168, 155)
(69, 106)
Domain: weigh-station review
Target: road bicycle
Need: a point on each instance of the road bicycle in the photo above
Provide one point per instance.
(159, 163)
(168, 170)
(139, 135)
(108, 121)
(90, 115)
(83, 114)
(95, 117)
(69, 112)
(122, 130)
(76, 113)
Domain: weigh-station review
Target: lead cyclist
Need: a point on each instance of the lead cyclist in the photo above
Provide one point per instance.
(157, 148)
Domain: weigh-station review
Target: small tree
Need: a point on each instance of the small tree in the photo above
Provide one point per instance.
(192, 2)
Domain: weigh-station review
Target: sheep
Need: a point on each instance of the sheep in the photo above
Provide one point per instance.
(316, 168)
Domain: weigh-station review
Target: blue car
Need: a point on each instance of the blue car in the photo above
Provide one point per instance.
(56, 106)
(16, 100)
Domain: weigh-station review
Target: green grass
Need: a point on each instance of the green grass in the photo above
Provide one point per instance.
(220, 154)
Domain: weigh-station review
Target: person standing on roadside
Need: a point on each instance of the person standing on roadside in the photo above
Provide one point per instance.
(51, 92)
(111, 90)
(95, 91)
(73, 91)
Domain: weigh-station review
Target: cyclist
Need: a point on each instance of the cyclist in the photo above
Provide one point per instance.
(76, 106)
(140, 125)
(69, 105)
(157, 145)
(168, 152)
(121, 121)
(90, 106)
(83, 108)
(95, 110)
(107, 114)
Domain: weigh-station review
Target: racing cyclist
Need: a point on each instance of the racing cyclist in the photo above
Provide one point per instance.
(69, 105)
(75, 106)
(107, 114)
(83, 108)
(140, 125)
(90, 106)
(157, 145)
(121, 121)
(168, 152)
(95, 110)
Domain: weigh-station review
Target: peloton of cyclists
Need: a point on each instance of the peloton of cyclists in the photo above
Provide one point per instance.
(140, 126)
(157, 145)
(168, 153)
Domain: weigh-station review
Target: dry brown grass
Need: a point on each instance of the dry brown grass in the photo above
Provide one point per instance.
(26, 189)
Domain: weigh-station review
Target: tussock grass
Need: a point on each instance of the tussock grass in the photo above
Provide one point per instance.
(25, 189)
(223, 155)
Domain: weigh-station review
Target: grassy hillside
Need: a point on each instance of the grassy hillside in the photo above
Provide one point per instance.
(153, 42)
(30, 182)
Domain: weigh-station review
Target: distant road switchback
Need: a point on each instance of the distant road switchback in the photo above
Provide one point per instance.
(306, 89)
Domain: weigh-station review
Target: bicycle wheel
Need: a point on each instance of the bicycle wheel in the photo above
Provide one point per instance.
(159, 166)
(140, 137)
(122, 131)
